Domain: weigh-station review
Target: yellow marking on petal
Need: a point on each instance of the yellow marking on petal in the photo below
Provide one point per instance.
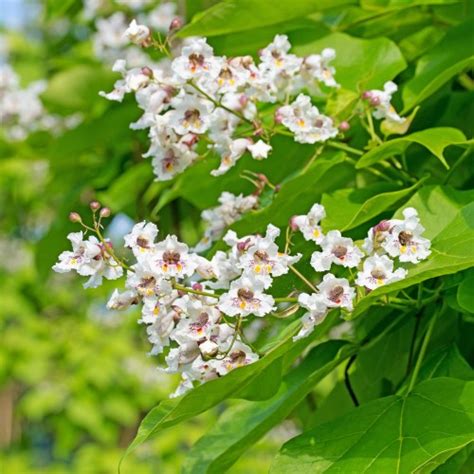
(413, 249)
(231, 82)
(279, 62)
(73, 261)
(243, 305)
(403, 249)
(179, 267)
(380, 281)
(156, 310)
(164, 267)
(257, 268)
(220, 81)
(149, 292)
(269, 268)
(316, 232)
(301, 123)
(185, 123)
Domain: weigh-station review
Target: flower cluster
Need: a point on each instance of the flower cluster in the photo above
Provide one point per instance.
(22, 111)
(391, 238)
(199, 97)
(195, 308)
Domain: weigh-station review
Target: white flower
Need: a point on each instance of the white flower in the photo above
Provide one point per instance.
(121, 301)
(276, 60)
(146, 281)
(336, 292)
(336, 249)
(309, 224)
(259, 150)
(191, 114)
(239, 356)
(141, 238)
(137, 34)
(317, 310)
(246, 297)
(171, 259)
(89, 258)
(381, 101)
(263, 260)
(378, 271)
(316, 66)
(169, 161)
(305, 121)
(231, 151)
(405, 240)
(196, 61)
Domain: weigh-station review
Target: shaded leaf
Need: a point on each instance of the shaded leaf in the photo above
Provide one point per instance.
(393, 434)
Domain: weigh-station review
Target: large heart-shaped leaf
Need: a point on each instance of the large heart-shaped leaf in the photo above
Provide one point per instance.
(413, 433)
(242, 425)
(448, 58)
(433, 139)
(230, 16)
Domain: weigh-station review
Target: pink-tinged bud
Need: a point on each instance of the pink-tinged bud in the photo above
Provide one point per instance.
(382, 226)
(105, 212)
(262, 178)
(243, 245)
(344, 126)
(74, 217)
(181, 293)
(292, 223)
(146, 71)
(366, 95)
(277, 188)
(176, 24)
(278, 117)
(94, 205)
(197, 286)
(375, 101)
(243, 100)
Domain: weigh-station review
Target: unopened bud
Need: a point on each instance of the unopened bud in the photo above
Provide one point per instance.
(243, 245)
(278, 117)
(382, 226)
(277, 188)
(344, 126)
(146, 71)
(292, 223)
(197, 286)
(94, 205)
(105, 212)
(375, 101)
(176, 24)
(366, 95)
(262, 178)
(74, 217)
(243, 100)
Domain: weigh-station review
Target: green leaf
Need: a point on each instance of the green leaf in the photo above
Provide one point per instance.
(76, 89)
(231, 16)
(393, 434)
(446, 362)
(348, 208)
(233, 385)
(465, 293)
(434, 140)
(244, 424)
(360, 63)
(449, 225)
(449, 57)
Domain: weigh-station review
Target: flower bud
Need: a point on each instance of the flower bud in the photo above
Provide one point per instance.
(146, 71)
(208, 349)
(105, 212)
(278, 117)
(243, 100)
(382, 226)
(375, 101)
(74, 217)
(197, 286)
(243, 245)
(94, 205)
(292, 223)
(366, 95)
(176, 24)
(344, 126)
